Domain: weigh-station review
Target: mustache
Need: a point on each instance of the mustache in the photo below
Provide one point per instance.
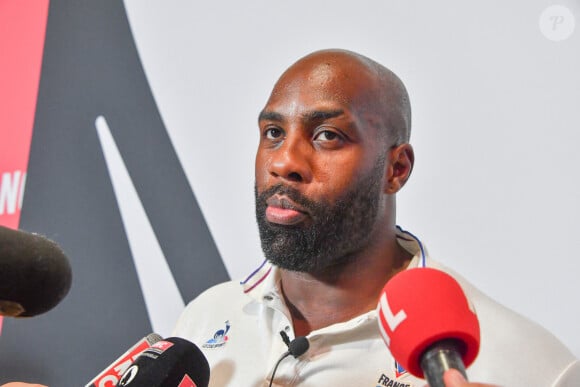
(292, 193)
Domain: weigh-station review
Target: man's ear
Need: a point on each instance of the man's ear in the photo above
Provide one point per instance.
(400, 165)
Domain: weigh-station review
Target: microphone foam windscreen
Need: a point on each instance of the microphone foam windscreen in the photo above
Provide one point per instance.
(419, 307)
(35, 275)
(171, 362)
(298, 346)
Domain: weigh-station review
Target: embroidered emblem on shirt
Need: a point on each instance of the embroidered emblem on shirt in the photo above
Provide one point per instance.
(219, 338)
(399, 370)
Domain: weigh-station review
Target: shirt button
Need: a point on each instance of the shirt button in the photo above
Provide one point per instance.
(268, 298)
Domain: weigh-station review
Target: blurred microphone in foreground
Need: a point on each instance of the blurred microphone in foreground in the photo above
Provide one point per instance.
(172, 362)
(35, 274)
(111, 375)
(428, 324)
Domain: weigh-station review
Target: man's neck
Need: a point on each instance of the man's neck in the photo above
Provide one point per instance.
(341, 293)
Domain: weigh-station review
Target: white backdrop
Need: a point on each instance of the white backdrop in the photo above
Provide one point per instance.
(495, 90)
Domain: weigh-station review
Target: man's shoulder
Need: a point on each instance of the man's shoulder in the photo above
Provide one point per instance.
(222, 292)
(519, 348)
(497, 321)
(514, 348)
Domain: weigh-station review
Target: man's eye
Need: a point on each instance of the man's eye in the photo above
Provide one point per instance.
(326, 135)
(273, 133)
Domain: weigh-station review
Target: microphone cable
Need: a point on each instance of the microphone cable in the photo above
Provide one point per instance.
(296, 347)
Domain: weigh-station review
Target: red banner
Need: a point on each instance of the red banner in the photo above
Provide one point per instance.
(22, 33)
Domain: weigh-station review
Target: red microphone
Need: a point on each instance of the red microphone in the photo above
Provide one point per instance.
(428, 323)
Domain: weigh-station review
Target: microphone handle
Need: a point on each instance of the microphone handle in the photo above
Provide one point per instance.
(440, 357)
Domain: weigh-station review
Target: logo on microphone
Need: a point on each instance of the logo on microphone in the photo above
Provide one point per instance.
(187, 382)
(160, 346)
(129, 375)
(391, 319)
(219, 338)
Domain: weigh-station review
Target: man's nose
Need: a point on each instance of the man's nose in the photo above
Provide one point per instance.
(291, 161)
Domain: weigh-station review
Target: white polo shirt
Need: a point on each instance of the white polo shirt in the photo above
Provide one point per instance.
(237, 326)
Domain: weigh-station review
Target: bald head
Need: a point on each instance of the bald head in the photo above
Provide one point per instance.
(374, 91)
(332, 155)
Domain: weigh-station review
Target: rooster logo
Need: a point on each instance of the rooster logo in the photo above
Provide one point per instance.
(219, 338)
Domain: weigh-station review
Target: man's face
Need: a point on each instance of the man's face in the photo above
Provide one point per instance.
(319, 168)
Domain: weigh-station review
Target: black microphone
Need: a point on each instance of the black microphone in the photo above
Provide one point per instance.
(296, 347)
(285, 338)
(111, 375)
(172, 362)
(35, 275)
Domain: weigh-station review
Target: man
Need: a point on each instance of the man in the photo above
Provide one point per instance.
(333, 152)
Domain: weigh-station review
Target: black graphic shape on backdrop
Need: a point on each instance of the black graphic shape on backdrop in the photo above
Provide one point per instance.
(91, 67)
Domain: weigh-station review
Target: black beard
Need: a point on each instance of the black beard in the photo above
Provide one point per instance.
(335, 234)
